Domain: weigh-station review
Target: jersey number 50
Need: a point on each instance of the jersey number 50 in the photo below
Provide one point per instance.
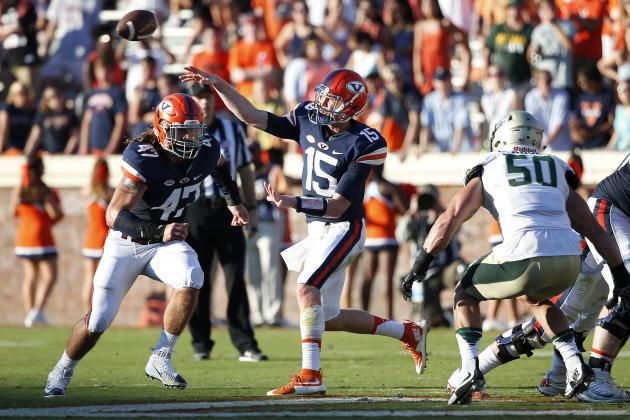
(523, 168)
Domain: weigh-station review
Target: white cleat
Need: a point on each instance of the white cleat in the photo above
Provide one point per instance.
(553, 383)
(58, 382)
(160, 367)
(604, 389)
(578, 380)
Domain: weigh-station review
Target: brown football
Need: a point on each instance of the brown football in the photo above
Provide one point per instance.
(137, 25)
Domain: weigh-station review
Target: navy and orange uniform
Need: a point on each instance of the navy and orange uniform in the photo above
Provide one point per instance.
(170, 187)
(97, 228)
(34, 237)
(333, 163)
(613, 190)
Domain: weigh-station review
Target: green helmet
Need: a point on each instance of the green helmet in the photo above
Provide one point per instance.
(517, 131)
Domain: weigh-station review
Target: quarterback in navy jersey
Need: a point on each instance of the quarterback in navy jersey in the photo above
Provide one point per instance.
(163, 170)
(339, 153)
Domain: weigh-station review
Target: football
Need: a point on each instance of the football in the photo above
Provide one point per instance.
(137, 25)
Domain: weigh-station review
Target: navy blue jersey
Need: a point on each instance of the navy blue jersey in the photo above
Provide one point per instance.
(171, 187)
(614, 187)
(338, 163)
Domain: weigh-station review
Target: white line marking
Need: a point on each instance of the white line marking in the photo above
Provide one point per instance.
(199, 409)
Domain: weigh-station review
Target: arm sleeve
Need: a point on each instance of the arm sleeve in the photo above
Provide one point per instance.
(222, 177)
(472, 173)
(352, 180)
(572, 179)
(281, 127)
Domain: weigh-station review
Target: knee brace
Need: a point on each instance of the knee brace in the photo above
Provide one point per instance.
(617, 323)
(522, 339)
(312, 322)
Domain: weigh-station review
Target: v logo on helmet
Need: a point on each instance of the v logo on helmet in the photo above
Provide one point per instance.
(165, 106)
(355, 87)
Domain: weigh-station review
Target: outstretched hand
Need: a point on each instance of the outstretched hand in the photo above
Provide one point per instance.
(240, 216)
(281, 201)
(195, 75)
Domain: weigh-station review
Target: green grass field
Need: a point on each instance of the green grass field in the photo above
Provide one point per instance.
(372, 368)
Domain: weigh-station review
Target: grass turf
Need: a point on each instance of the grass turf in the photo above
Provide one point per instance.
(353, 365)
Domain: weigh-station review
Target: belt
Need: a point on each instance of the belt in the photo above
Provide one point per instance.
(135, 240)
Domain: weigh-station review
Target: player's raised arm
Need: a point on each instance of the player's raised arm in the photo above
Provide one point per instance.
(237, 103)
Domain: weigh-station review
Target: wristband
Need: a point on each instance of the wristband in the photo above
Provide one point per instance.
(621, 278)
(130, 224)
(313, 206)
(422, 262)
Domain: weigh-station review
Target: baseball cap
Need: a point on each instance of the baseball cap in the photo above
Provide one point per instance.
(441, 74)
(200, 90)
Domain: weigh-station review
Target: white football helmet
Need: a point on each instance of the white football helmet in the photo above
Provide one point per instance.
(517, 131)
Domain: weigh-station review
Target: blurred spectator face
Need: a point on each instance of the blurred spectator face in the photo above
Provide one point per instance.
(392, 78)
(623, 90)
(547, 11)
(299, 12)
(313, 50)
(334, 8)
(430, 8)
(167, 84)
(250, 30)
(543, 81)
(148, 69)
(19, 96)
(495, 79)
(587, 84)
(513, 14)
(206, 100)
(211, 39)
(101, 73)
(52, 99)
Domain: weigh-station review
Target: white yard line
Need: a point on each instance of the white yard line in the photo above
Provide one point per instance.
(175, 409)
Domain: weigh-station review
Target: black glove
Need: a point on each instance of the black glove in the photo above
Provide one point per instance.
(406, 283)
(417, 273)
(621, 292)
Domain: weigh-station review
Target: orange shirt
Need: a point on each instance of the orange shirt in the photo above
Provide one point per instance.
(380, 217)
(97, 228)
(213, 62)
(271, 19)
(250, 57)
(34, 231)
(587, 43)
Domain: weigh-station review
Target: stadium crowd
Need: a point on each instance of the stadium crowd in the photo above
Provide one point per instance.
(439, 72)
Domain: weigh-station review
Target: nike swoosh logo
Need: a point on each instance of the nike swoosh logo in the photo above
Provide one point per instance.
(337, 153)
(197, 177)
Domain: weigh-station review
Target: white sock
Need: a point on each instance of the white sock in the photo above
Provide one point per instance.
(564, 342)
(311, 330)
(65, 362)
(388, 328)
(468, 342)
(167, 340)
(488, 360)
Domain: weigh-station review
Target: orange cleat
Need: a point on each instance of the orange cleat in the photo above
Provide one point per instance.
(415, 341)
(308, 382)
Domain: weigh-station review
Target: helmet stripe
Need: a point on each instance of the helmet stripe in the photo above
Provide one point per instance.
(189, 106)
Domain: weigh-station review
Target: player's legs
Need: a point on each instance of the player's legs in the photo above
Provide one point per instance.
(119, 268)
(48, 270)
(176, 264)
(370, 257)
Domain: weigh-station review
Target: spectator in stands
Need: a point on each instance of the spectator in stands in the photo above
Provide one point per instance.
(104, 115)
(96, 196)
(201, 20)
(444, 117)
(384, 201)
(290, 42)
(588, 18)
(56, 127)
(594, 108)
(399, 112)
(339, 28)
(551, 46)
(169, 83)
(488, 13)
(263, 248)
(251, 58)
(303, 74)
(366, 56)
(16, 119)
(398, 19)
(37, 209)
(153, 47)
(551, 107)
(18, 37)
(106, 52)
(497, 99)
(265, 97)
(618, 61)
(368, 20)
(145, 98)
(212, 57)
(274, 13)
(68, 39)
(620, 139)
(507, 45)
(434, 42)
